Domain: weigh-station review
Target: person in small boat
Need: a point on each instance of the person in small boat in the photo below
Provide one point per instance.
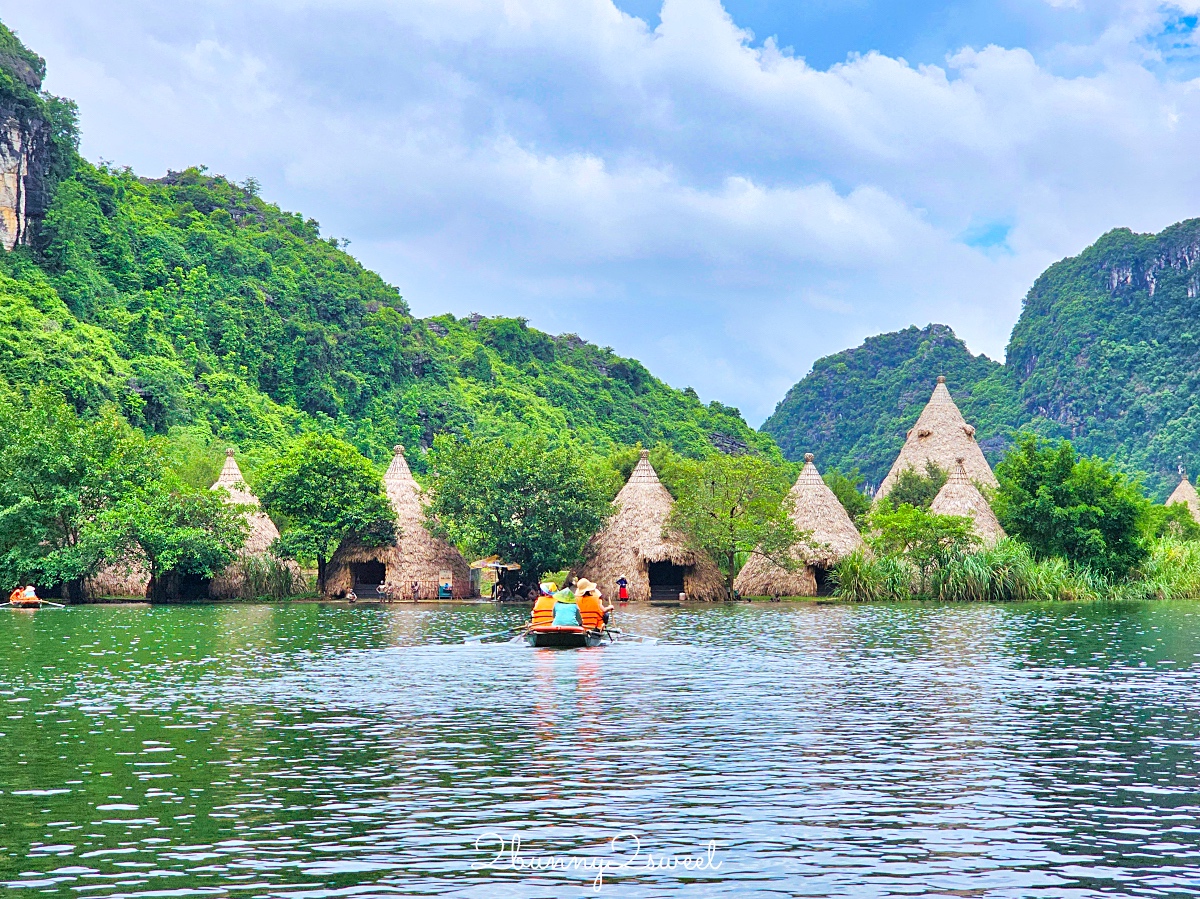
(15, 596)
(566, 609)
(29, 595)
(593, 611)
(543, 606)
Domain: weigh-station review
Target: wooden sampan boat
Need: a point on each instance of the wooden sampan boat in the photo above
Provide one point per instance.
(549, 636)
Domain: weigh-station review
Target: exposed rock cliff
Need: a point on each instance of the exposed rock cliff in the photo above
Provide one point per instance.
(26, 142)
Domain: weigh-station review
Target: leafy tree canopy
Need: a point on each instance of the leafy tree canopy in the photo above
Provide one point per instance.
(1081, 509)
(848, 488)
(62, 473)
(917, 489)
(184, 534)
(520, 500)
(328, 492)
(731, 506)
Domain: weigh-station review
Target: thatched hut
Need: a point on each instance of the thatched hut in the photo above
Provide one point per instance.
(959, 496)
(1185, 493)
(126, 580)
(635, 544)
(231, 583)
(831, 536)
(417, 556)
(940, 436)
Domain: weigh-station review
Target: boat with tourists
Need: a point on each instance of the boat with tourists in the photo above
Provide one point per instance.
(27, 598)
(566, 619)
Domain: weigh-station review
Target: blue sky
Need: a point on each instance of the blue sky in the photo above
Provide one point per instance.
(724, 191)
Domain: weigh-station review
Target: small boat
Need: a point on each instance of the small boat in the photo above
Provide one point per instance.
(549, 636)
(30, 604)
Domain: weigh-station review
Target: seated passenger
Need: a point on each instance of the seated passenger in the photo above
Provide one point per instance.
(591, 610)
(566, 614)
(543, 606)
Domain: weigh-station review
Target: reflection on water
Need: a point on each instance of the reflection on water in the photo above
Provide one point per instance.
(828, 750)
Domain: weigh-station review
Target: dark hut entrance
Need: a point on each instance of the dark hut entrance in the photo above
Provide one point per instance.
(824, 582)
(666, 580)
(368, 576)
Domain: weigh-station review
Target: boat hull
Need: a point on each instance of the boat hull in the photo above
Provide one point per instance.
(549, 637)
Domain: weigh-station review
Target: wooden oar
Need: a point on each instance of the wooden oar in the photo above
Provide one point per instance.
(481, 637)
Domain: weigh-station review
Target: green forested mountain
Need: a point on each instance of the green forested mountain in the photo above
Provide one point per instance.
(1105, 352)
(203, 311)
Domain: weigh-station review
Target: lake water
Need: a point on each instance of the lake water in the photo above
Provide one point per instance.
(823, 750)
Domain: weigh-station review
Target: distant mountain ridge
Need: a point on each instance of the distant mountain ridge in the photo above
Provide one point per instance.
(1106, 352)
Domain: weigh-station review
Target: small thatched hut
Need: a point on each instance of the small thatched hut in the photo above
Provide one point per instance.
(129, 580)
(960, 496)
(1186, 493)
(635, 544)
(230, 583)
(940, 436)
(831, 537)
(417, 556)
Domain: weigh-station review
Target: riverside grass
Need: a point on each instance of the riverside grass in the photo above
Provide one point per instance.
(1008, 572)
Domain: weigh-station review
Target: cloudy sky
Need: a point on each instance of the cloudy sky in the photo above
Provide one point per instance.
(726, 192)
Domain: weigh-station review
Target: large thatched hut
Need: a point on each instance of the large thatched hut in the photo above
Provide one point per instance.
(1185, 493)
(940, 436)
(831, 536)
(635, 544)
(230, 583)
(417, 556)
(959, 496)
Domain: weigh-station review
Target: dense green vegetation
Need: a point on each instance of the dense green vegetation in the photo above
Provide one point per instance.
(527, 503)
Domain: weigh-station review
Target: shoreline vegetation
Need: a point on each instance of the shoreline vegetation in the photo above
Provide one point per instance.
(154, 327)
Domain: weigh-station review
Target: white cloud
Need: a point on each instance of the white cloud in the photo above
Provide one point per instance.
(711, 205)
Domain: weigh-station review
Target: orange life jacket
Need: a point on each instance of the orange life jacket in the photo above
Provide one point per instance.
(591, 611)
(16, 595)
(543, 610)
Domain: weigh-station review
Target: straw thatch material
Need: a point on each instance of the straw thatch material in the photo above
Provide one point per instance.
(960, 496)
(1186, 493)
(940, 436)
(417, 555)
(832, 537)
(130, 579)
(229, 583)
(637, 535)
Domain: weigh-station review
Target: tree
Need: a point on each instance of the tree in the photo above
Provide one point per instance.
(1081, 509)
(1174, 520)
(848, 489)
(517, 499)
(62, 473)
(927, 540)
(917, 490)
(186, 535)
(734, 506)
(327, 491)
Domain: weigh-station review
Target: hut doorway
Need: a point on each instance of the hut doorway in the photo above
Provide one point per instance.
(368, 576)
(666, 580)
(824, 582)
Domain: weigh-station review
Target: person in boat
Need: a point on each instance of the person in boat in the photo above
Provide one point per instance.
(593, 611)
(14, 598)
(566, 610)
(543, 606)
(29, 596)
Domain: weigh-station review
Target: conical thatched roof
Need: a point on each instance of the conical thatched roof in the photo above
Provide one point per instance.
(262, 529)
(960, 496)
(636, 535)
(1186, 493)
(417, 555)
(832, 536)
(941, 436)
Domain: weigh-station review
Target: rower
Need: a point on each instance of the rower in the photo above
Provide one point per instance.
(592, 611)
